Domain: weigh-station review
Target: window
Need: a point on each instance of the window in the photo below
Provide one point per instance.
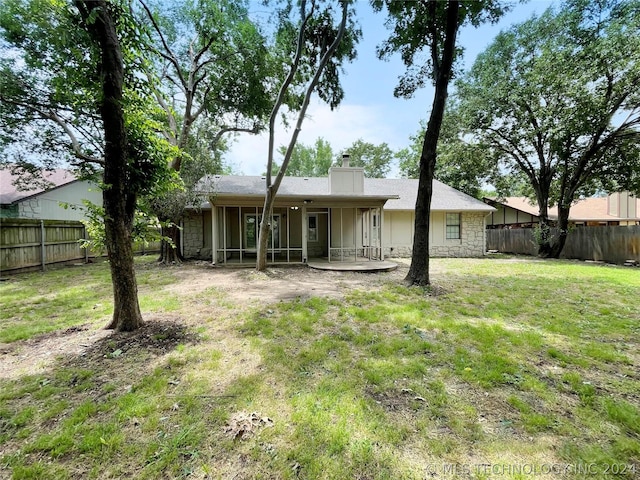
(312, 235)
(252, 227)
(453, 226)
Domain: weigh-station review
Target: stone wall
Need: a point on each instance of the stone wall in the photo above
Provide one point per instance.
(29, 208)
(472, 243)
(192, 236)
(397, 252)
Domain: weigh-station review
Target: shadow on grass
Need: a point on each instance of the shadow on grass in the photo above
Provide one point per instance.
(82, 405)
(155, 338)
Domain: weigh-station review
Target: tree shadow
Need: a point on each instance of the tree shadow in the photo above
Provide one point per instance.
(154, 338)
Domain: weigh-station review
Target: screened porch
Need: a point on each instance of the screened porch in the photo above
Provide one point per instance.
(298, 233)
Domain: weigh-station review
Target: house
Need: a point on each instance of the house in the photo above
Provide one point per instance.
(344, 216)
(620, 208)
(47, 203)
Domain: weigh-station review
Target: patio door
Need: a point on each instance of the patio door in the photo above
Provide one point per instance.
(252, 227)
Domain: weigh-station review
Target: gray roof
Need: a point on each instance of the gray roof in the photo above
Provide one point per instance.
(445, 198)
(10, 193)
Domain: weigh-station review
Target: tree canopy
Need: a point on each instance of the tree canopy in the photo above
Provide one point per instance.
(309, 160)
(425, 35)
(461, 164)
(375, 159)
(555, 99)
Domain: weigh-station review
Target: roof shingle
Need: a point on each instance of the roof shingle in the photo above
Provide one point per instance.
(445, 198)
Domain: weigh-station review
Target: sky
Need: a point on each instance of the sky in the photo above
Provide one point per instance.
(369, 111)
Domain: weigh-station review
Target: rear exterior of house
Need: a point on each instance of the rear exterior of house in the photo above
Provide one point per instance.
(343, 217)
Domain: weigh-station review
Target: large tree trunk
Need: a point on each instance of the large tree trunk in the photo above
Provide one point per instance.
(170, 251)
(563, 232)
(419, 270)
(118, 197)
(544, 236)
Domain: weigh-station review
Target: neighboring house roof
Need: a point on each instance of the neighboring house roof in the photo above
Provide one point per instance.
(9, 193)
(400, 194)
(585, 210)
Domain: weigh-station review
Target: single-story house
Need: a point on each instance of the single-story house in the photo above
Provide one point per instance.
(344, 216)
(47, 203)
(617, 209)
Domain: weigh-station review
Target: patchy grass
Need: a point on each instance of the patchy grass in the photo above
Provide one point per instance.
(506, 369)
(34, 303)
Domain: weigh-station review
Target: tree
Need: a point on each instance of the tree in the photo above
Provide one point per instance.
(214, 70)
(66, 89)
(461, 164)
(557, 100)
(320, 48)
(375, 159)
(308, 161)
(124, 175)
(430, 25)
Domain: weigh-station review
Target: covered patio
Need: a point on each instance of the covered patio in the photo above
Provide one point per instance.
(301, 231)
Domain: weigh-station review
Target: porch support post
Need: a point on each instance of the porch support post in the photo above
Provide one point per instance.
(224, 234)
(304, 233)
(240, 231)
(214, 231)
(341, 237)
(370, 231)
(355, 235)
(329, 232)
(273, 240)
(381, 225)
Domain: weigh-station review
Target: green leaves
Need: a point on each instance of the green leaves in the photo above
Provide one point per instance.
(309, 160)
(418, 34)
(557, 96)
(375, 159)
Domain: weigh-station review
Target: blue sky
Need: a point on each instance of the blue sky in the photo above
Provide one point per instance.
(369, 110)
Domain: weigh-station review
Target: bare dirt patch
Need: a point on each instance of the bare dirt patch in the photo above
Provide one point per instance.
(247, 286)
(34, 356)
(239, 287)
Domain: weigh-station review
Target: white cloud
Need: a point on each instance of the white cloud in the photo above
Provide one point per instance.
(340, 128)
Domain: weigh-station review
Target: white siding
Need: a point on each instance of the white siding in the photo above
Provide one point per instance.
(47, 205)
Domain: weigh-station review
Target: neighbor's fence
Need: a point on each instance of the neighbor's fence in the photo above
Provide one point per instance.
(607, 244)
(28, 244)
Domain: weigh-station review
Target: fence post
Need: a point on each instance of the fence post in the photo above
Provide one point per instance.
(42, 246)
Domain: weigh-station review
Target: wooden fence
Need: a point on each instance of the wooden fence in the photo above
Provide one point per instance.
(607, 244)
(29, 244)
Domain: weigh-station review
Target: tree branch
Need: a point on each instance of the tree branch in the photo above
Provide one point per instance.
(169, 55)
(307, 98)
(224, 130)
(285, 85)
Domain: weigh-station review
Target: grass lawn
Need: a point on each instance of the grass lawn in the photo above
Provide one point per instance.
(508, 368)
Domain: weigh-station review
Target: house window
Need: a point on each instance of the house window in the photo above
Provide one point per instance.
(453, 226)
(312, 234)
(252, 227)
